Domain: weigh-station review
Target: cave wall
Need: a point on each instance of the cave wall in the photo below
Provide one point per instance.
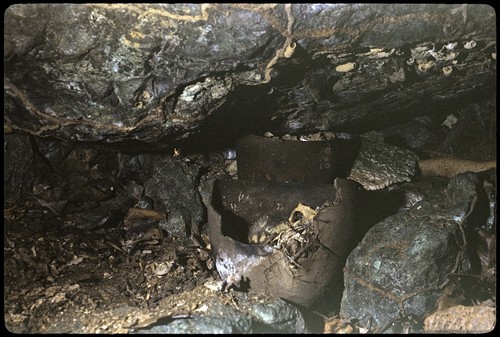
(169, 88)
(157, 73)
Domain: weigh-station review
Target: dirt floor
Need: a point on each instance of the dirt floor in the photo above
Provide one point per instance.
(59, 278)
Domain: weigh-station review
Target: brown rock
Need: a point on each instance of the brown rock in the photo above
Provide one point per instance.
(478, 319)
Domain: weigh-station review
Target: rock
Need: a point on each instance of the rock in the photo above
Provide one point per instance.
(135, 167)
(19, 172)
(227, 313)
(172, 186)
(154, 73)
(419, 134)
(276, 315)
(462, 137)
(490, 187)
(461, 193)
(379, 165)
(222, 320)
(462, 319)
(404, 261)
(455, 134)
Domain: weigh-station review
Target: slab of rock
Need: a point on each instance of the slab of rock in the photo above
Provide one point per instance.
(404, 261)
(152, 72)
(379, 165)
(171, 184)
(210, 311)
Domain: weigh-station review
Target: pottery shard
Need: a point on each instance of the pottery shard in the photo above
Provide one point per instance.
(461, 319)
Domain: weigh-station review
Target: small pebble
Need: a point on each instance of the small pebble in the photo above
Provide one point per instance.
(214, 285)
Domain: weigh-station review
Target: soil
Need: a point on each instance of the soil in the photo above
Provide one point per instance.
(59, 278)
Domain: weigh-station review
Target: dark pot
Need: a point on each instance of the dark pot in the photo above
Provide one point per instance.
(273, 159)
(303, 272)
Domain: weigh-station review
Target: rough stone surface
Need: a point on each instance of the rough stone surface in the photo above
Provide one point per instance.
(136, 78)
(155, 73)
(57, 272)
(19, 173)
(223, 320)
(404, 261)
(456, 134)
(379, 165)
(172, 186)
(462, 319)
(233, 312)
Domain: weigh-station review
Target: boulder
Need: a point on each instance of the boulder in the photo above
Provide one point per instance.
(403, 263)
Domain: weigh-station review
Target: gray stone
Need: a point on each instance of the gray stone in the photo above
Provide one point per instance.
(379, 165)
(19, 168)
(172, 186)
(155, 73)
(135, 167)
(279, 316)
(226, 320)
(227, 313)
(404, 261)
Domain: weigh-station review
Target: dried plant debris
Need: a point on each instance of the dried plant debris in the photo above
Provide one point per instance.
(90, 255)
(292, 236)
(63, 272)
(338, 326)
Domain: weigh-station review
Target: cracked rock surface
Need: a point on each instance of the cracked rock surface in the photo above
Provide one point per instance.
(161, 72)
(405, 261)
(118, 118)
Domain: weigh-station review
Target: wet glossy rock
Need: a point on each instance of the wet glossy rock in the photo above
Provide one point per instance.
(227, 313)
(172, 186)
(146, 73)
(404, 261)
